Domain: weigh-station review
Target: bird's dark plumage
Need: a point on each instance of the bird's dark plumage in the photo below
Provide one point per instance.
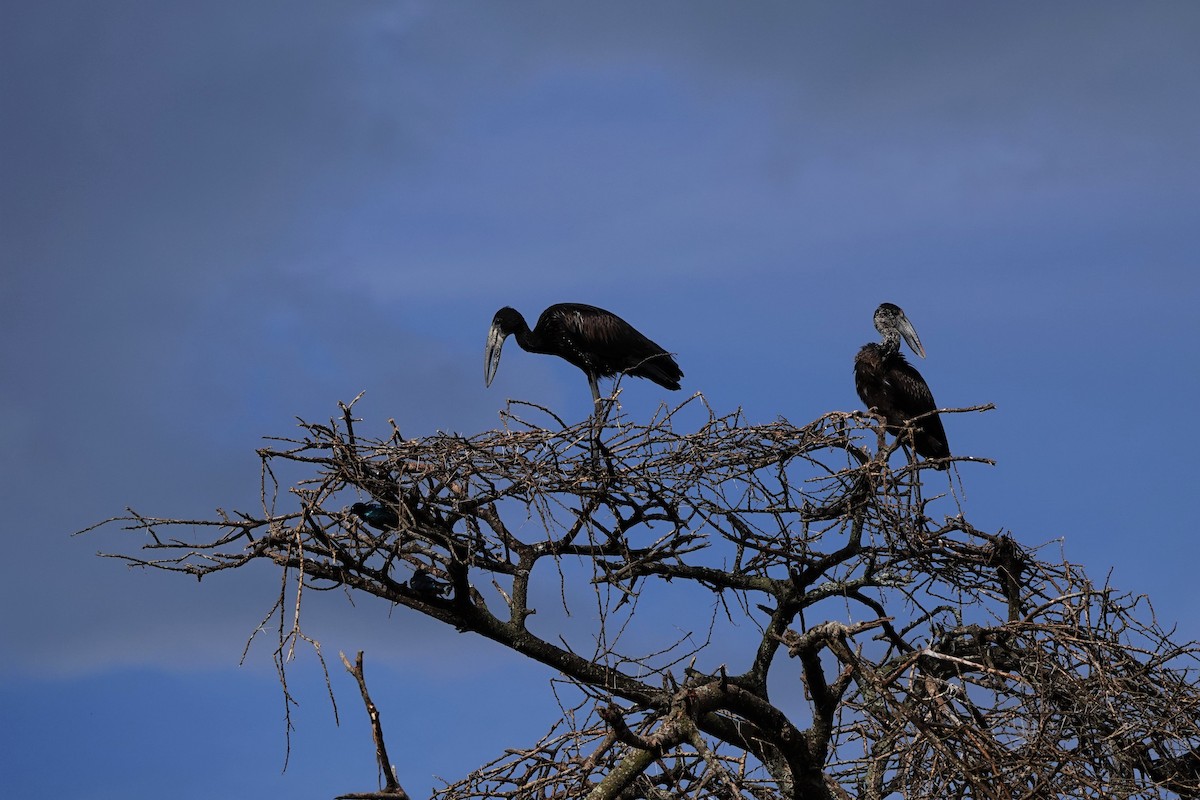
(888, 384)
(376, 515)
(426, 585)
(596, 341)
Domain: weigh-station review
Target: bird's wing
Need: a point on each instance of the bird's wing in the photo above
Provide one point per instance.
(909, 391)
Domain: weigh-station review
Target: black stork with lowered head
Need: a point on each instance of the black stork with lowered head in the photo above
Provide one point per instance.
(596, 341)
(891, 386)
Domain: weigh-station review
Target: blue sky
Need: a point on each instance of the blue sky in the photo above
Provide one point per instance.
(218, 216)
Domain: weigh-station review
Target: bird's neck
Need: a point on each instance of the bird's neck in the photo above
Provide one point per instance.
(530, 341)
(891, 341)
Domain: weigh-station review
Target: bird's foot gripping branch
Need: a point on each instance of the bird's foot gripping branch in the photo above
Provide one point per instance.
(774, 611)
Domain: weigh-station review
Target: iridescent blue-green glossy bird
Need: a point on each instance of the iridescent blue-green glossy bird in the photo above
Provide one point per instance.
(376, 515)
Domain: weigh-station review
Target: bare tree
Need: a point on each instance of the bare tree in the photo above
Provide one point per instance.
(937, 660)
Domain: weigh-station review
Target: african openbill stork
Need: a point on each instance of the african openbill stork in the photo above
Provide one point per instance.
(891, 386)
(597, 341)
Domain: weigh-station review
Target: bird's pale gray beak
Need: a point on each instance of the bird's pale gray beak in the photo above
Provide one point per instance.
(910, 335)
(491, 356)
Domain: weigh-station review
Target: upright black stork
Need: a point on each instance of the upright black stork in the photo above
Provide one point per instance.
(888, 384)
(597, 341)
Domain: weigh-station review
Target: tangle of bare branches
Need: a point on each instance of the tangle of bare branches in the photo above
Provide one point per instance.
(937, 660)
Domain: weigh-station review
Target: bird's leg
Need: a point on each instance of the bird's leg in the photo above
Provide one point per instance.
(595, 387)
(597, 421)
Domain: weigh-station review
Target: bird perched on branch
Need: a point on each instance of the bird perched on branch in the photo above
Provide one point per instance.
(596, 341)
(378, 516)
(891, 386)
(424, 584)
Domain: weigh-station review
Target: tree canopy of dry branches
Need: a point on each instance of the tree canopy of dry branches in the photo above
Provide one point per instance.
(723, 567)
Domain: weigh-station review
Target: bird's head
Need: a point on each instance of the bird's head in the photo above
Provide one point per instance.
(890, 319)
(359, 509)
(506, 322)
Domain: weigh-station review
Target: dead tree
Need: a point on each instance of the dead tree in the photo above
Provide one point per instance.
(937, 660)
